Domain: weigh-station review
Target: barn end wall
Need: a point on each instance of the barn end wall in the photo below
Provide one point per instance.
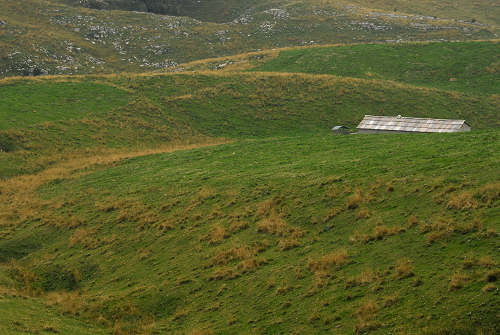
(466, 127)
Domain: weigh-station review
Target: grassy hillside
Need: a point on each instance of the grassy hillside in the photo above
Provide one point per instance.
(466, 67)
(218, 202)
(314, 234)
(148, 111)
(81, 40)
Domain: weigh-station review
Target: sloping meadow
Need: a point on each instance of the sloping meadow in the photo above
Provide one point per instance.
(221, 203)
(311, 233)
(47, 120)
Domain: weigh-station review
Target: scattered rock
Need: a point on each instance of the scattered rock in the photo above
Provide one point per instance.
(277, 13)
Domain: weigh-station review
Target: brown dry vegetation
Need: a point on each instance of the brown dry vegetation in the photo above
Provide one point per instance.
(458, 280)
(364, 278)
(19, 202)
(404, 269)
(366, 315)
(378, 233)
(329, 262)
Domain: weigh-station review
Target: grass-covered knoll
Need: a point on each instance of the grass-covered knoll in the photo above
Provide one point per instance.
(313, 233)
(468, 67)
(147, 111)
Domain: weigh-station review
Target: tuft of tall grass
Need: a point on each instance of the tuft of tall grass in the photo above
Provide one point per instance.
(329, 262)
(404, 268)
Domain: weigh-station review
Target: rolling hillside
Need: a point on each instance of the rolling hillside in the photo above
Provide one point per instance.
(79, 40)
(464, 67)
(218, 202)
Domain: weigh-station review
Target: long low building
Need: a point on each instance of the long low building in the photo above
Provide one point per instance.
(401, 124)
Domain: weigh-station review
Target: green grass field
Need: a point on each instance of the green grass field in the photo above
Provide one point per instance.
(465, 67)
(172, 239)
(218, 202)
(184, 108)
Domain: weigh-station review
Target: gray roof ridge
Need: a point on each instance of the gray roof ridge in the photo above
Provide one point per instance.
(415, 118)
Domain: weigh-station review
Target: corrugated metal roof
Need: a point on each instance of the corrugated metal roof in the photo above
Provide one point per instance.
(410, 124)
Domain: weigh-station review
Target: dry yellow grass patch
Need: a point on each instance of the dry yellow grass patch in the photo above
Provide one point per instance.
(328, 262)
(404, 268)
(217, 234)
(205, 193)
(224, 273)
(332, 193)
(249, 265)
(472, 260)
(489, 193)
(288, 243)
(240, 252)
(274, 225)
(237, 226)
(487, 262)
(463, 201)
(489, 288)
(84, 237)
(355, 200)
(268, 207)
(366, 277)
(67, 302)
(320, 280)
(366, 314)
(24, 276)
(391, 300)
(378, 233)
(412, 221)
(458, 280)
(363, 213)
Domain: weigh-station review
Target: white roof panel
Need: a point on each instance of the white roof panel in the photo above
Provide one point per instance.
(410, 124)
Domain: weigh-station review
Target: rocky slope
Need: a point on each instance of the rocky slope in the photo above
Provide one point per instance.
(82, 40)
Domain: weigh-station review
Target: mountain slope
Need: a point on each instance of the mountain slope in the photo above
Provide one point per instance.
(484, 11)
(81, 40)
